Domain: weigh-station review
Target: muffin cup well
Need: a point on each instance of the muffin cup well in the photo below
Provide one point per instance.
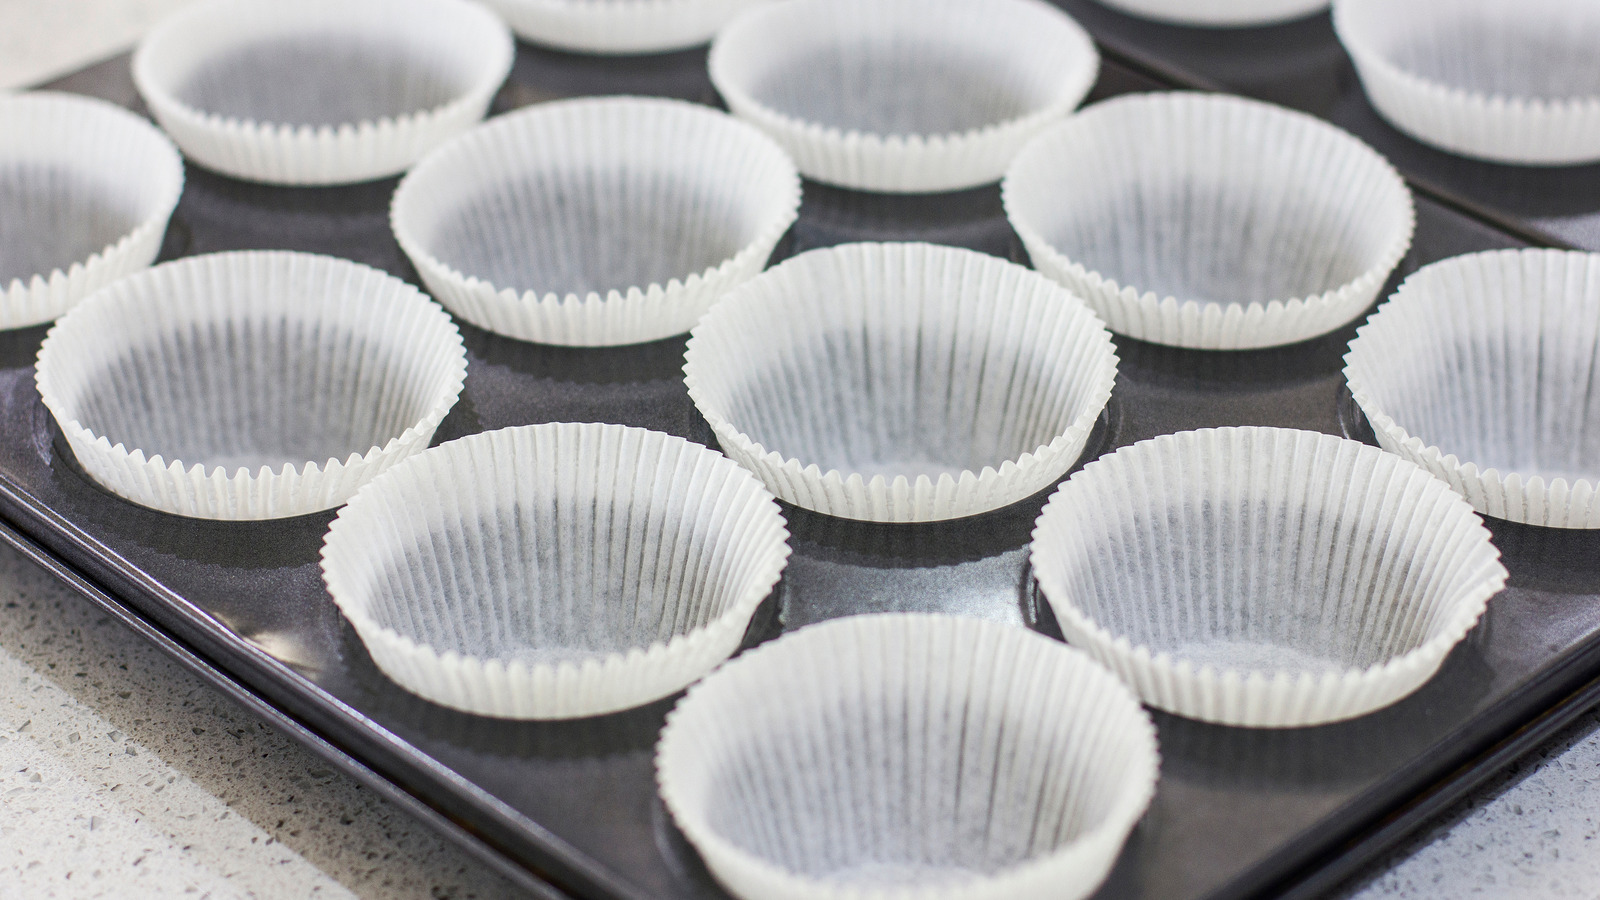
(901, 382)
(555, 571)
(1482, 369)
(1504, 82)
(1208, 221)
(252, 385)
(242, 85)
(595, 222)
(908, 756)
(1264, 577)
(86, 190)
(619, 26)
(903, 96)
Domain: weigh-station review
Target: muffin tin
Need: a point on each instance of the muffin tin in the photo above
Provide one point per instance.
(570, 809)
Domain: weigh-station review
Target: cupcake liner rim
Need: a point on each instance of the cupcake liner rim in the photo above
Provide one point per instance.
(368, 625)
(1071, 94)
(152, 87)
(457, 379)
(833, 478)
(42, 296)
(1441, 92)
(616, 26)
(1128, 808)
(582, 676)
(1451, 467)
(769, 234)
(1369, 281)
(1418, 660)
(856, 141)
(322, 154)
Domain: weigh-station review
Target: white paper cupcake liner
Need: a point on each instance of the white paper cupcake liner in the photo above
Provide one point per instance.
(555, 571)
(1220, 13)
(251, 385)
(1483, 370)
(901, 382)
(908, 756)
(598, 221)
(313, 92)
(1505, 82)
(86, 190)
(1264, 577)
(619, 26)
(903, 95)
(1211, 222)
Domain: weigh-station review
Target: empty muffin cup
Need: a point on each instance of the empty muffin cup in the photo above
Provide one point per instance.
(1219, 13)
(909, 756)
(595, 222)
(1211, 222)
(251, 385)
(1505, 82)
(1264, 577)
(901, 382)
(619, 26)
(903, 96)
(312, 92)
(1485, 370)
(555, 571)
(86, 190)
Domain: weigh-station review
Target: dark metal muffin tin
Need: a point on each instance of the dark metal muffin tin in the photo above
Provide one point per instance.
(570, 809)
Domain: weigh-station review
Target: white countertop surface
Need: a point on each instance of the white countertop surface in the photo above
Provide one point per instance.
(121, 774)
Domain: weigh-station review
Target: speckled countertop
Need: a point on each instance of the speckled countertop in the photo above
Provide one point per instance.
(123, 774)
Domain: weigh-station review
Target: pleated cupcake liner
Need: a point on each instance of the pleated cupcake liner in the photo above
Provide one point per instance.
(952, 88)
(1264, 577)
(457, 53)
(1482, 370)
(555, 571)
(619, 26)
(686, 198)
(901, 382)
(908, 756)
(1435, 87)
(1220, 13)
(1208, 221)
(67, 150)
(250, 385)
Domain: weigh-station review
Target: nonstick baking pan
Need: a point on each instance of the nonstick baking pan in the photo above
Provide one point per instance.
(570, 809)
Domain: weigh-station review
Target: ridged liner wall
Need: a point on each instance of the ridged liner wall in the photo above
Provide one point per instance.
(461, 43)
(1534, 115)
(1039, 62)
(554, 571)
(247, 356)
(909, 756)
(619, 26)
(92, 149)
(634, 164)
(1264, 577)
(1482, 369)
(880, 354)
(1208, 221)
